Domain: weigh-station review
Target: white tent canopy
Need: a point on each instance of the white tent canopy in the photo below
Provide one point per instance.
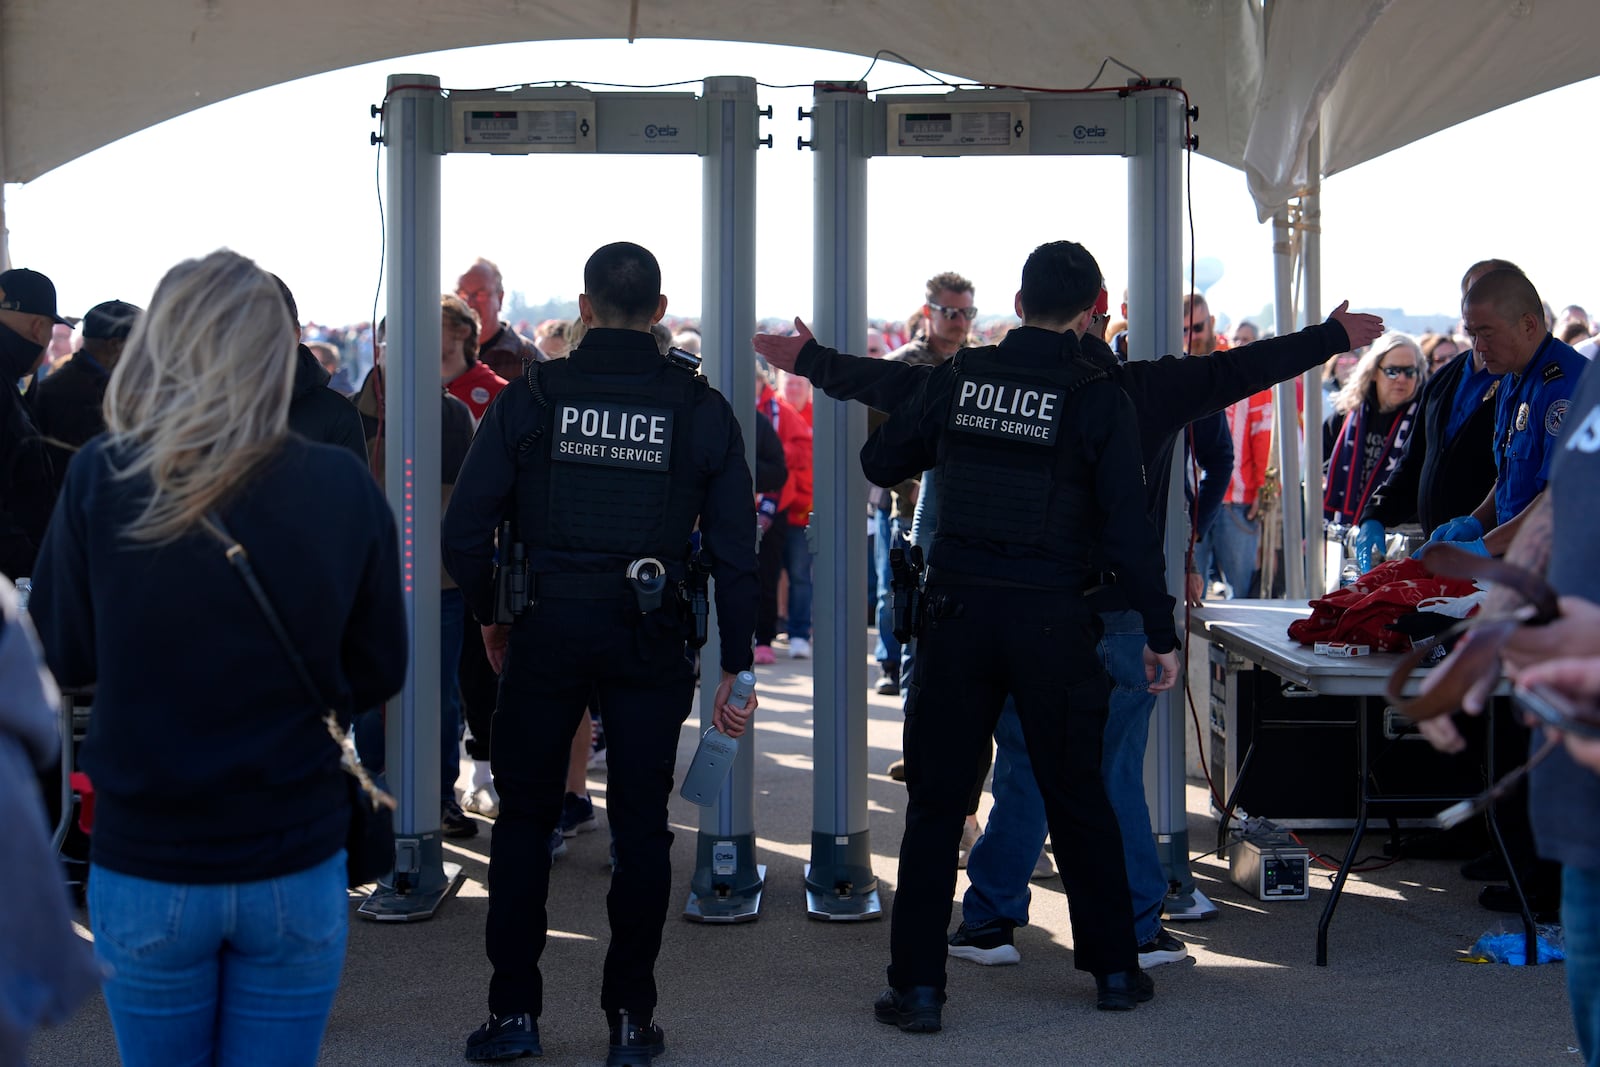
(79, 74)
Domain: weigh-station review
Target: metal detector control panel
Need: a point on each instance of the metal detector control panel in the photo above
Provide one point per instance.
(504, 124)
(1004, 123)
(570, 119)
(940, 126)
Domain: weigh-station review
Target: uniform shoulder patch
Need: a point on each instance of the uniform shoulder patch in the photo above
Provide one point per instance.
(1554, 416)
(1553, 372)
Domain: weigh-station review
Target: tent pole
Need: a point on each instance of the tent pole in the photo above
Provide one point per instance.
(1286, 436)
(1311, 298)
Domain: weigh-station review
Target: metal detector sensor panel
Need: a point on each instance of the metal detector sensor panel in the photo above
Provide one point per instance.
(942, 127)
(519, 126)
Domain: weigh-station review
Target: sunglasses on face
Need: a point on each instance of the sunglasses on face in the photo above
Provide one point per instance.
(955, 313)
(1392, 373)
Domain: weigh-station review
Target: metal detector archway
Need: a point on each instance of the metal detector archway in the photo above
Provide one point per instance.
(420, 125)
(1145, 124)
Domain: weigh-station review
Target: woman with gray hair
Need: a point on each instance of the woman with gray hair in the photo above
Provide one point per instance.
(217, 864)
(1372, 417)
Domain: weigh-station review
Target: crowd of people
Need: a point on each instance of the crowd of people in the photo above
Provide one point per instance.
(211, 457)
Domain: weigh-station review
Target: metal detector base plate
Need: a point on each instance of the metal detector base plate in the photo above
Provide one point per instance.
(1190, 908)
(741, 908)
(828, 907)
(385, 905)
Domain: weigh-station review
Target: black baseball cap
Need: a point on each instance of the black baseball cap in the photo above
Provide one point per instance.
(29, 292)
(111, 320)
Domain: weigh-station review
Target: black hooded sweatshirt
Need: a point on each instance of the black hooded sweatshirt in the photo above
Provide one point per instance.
(319, 414)
(27, 484)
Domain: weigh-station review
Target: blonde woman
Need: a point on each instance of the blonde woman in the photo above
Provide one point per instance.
(217, 888)
(1372, 417)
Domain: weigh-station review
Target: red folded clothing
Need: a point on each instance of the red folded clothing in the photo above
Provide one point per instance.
(1362, 612)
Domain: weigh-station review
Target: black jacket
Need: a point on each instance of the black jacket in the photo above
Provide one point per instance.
(771, 469)
(193, 694)
(485, 492)
(319, 414)
(1436, 479)
(1211, 448)
(1098, 457)
(67, 406)
(27, 480)
(1167, 393)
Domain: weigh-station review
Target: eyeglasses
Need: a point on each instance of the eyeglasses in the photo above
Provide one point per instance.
(1399, 372)
(955, 313)
(1196, 327)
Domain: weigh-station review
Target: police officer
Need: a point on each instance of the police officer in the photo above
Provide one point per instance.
(1032, 424)
(1504, 316)
(1167, 394)
(605, 461)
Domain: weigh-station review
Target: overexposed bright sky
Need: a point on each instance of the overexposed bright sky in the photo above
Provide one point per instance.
(286, 175)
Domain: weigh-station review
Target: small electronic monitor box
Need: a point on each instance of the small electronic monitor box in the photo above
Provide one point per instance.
(1270, 867)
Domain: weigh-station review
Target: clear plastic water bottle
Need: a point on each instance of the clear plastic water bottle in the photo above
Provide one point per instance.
(24, 591)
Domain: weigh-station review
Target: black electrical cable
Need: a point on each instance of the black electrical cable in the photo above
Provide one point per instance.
(880, 53)
(1118, 62)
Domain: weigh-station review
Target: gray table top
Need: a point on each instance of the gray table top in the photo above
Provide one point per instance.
(1258, 630)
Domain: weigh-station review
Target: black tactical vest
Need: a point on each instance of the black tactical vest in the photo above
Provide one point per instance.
(612, 471)
(998, 459)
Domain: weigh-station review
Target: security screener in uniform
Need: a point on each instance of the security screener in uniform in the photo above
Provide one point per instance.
(1036, 453)
(605, 461)
(1505, 319)
(1167, 394)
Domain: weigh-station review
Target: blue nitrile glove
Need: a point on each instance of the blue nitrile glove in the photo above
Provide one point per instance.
(1466, 528)
(1369, 544)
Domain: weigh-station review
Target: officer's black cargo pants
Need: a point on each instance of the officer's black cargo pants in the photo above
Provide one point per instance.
(563, 652)
(1040, 648)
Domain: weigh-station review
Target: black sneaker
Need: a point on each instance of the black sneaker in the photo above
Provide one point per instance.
(1163, 948)
(1121, 991)
(453, 822)
(888, 680)
(915, 1010)
(634, 1044)
(505, 1037)
(988, 943)
(577, 815)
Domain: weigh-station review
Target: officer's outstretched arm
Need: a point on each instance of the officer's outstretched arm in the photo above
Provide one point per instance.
(907, 443)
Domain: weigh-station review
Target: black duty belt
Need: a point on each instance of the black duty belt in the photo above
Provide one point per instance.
(1094, 582)
(944, 577)
(561, 586)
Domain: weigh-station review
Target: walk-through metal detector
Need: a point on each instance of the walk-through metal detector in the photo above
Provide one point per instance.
(421, 123)
(1145, 123)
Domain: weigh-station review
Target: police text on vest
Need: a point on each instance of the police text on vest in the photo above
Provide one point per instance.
(614, 435)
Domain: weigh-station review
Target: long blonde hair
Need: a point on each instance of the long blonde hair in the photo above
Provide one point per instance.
(1359, 386)
(200, 397)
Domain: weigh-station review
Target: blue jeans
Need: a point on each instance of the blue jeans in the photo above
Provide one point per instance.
(1233, 541)
(889, 534)
(239, 975)
(797, 561)
(1002, 860)
(1580, 925)
(369, 729)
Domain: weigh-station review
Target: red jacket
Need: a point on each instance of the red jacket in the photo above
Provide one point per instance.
(795, 500)
(475, 387)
